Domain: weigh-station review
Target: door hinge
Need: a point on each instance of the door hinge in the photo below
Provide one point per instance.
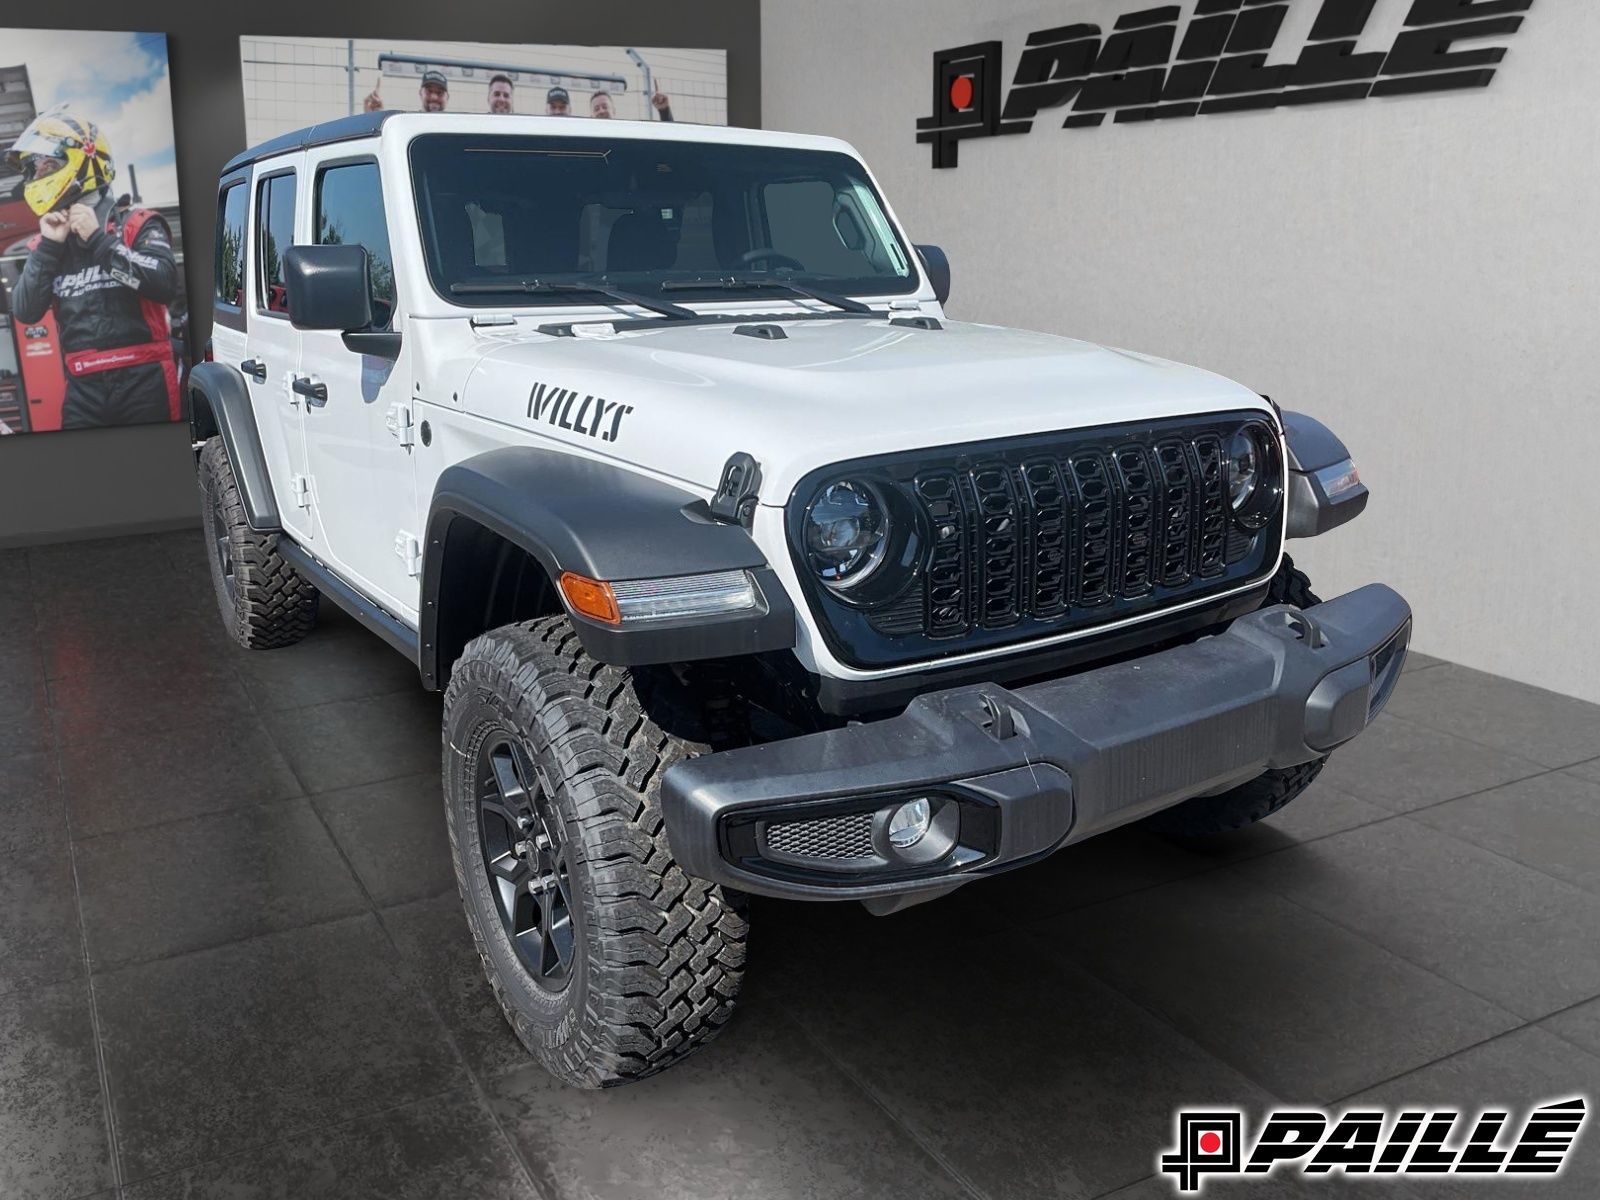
(301, 486)
(398, 421)
(410, 552)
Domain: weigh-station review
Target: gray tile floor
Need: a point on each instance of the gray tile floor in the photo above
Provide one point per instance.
(232, 961)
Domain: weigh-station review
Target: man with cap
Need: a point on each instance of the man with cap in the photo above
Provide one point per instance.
(557, 103)
(435, 94)
(435, 91)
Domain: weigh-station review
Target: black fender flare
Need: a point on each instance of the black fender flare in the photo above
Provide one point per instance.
(605, 522)
(1316, 454)
(220, 406)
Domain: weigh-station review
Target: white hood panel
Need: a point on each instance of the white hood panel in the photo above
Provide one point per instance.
(679, 400)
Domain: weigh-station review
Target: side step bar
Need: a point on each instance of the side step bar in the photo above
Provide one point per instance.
(387, 626)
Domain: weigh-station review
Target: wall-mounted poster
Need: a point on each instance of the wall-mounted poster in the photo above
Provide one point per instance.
(290, 83)
(92, 307)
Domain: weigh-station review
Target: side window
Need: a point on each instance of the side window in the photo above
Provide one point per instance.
(274, 236)
(349, 212)
(806, 221)
(230, 244)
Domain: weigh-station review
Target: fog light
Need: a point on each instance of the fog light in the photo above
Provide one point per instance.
(909, 822)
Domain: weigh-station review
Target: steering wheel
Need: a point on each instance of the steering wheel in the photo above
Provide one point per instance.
(768, 254)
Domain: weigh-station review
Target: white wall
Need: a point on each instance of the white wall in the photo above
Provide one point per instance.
(1423, 274)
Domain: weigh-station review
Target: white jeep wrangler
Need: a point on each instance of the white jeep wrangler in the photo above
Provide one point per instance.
(742, 568)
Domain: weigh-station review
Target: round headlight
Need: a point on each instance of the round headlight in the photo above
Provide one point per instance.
(846, 532)
(1244, 468)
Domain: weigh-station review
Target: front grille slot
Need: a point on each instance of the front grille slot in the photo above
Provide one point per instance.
(1096, 542)
(947, 589)
(847, 836)
(1050, 538)
(1214, 506)
(999, 553)
(1074, 529)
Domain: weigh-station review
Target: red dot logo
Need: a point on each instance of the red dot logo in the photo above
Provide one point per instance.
(1210, 1143)
(961, 92)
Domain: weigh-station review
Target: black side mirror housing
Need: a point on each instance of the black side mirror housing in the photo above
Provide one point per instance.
(329, 287)
(938, 268)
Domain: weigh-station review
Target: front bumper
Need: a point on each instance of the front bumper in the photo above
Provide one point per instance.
(1013, 774)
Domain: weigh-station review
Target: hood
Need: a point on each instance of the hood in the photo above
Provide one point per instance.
(678, 400)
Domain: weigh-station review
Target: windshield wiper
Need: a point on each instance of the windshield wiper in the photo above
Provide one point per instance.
(737, 282)
(540, 287)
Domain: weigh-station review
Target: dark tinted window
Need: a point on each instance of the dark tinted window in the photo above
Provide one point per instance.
(643, 213)
(349, 212)
(231, 210)
(275, 234)
(806, 220)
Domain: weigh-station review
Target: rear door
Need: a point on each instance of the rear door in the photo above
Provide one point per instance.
(359, 440)
(273, 343)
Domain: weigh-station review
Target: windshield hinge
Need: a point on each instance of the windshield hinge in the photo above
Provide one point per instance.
(737, 494)
(398, 422)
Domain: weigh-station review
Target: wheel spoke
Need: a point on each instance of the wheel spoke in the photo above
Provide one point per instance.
(509, 867)
(511, 820)
(508, 778)
(554, 929)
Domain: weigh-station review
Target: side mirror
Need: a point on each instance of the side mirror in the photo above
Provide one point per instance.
(938, 271)
(329, 287)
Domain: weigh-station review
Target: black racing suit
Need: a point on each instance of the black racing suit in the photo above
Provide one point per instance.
(110, 303)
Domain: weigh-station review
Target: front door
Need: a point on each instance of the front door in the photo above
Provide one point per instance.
(359, 439)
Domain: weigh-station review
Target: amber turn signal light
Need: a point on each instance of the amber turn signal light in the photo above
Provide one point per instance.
(590, 598)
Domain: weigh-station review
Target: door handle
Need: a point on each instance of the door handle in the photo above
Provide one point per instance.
(254, 368)
(313, 390)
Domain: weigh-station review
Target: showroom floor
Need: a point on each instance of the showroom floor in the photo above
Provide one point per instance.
(232, 960)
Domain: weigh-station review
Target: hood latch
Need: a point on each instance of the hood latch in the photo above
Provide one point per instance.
(739, 492)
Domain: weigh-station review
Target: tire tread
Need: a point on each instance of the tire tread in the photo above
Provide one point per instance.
(274, 605)
(666, 951)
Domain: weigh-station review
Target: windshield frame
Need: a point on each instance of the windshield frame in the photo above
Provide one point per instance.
(713, 295)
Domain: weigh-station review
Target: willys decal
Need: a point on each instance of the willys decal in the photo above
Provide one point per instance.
(593, 416)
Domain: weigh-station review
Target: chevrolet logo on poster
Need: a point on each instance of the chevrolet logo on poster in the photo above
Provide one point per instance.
(1154, 65)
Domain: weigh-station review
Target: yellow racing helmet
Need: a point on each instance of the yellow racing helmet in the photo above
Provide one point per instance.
(60, 156)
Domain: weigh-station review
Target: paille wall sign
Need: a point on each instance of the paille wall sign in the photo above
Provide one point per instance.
(1143, 71)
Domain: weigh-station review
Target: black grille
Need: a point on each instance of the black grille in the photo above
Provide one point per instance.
(1041, 535)
(847, 836)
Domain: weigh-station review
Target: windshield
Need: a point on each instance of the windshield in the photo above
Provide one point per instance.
(515, 214)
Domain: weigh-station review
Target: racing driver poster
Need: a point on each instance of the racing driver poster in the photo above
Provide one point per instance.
(92, 307)
(293, 82)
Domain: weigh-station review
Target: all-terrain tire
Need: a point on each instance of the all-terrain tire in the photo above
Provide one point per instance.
(265, 603)
(1264, 795)
(656, 956)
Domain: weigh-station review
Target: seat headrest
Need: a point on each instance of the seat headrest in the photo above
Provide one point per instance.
(640, 241)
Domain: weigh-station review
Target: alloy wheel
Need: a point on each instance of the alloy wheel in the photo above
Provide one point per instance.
(526, 855)
(224, 547)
